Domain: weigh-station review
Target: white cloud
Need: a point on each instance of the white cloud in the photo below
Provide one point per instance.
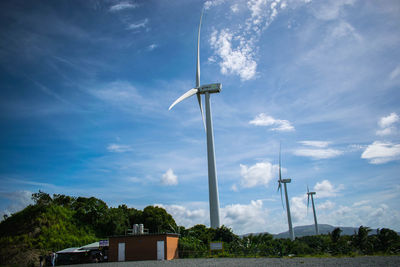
(386, 131)
(318, 153)
(320, 144)
(236, 46)
(196, 213)
(379, 215)
(239, 60)
(123, 5)
(360, 203)
(330, 10)
(258, 9)
(234, 188)
(19, 200)
(388, 120)
(152, 47)
(259, 174)
(381, 152)
(298, 208)
(138, 25)
(326, 189)
(235, 8)
(211, 3)
(245, 218)
(118, 92)
(242, 218)
(169, 178)
(386, 124)
(327, 205)
(266, 120)
(395, 73)
(118, 148)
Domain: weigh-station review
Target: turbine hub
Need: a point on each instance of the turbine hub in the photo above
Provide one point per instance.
(210, 88)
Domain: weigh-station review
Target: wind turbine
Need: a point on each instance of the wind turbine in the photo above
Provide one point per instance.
(310, 194)
(284, 182)
(206, 90)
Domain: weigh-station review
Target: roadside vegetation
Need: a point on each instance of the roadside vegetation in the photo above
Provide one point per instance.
(57, 222)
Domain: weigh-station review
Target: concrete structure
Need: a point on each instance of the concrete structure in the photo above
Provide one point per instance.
(143, 247)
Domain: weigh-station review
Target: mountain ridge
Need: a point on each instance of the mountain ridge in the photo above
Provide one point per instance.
(307, 230)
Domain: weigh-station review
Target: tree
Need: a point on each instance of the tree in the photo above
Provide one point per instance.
(63, 200)
(157, 220)
(389, 240)
(361, 239)
(335, 235)
(41, 198)
(224, 234)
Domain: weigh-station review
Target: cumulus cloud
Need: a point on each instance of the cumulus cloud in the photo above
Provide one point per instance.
(234, 60)
(320, 150)
(118, 148)
(379, 215)
(123, 5)
(326, 189)
(387, 124)
(388, 120)
(298, 208)
(259, 174)
(276, 124)
(196, 213)
(244, 218)
(381, 152)
(19, 200)
(327, 205)
(169, 178)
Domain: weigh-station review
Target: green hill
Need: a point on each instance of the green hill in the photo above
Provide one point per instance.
(58, 222)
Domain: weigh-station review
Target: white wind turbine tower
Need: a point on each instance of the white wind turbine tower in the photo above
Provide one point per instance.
(206, 90)
(313, 207)
(284, 182)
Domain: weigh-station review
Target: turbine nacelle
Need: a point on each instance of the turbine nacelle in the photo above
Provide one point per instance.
(311, 193)
(210, 88)
(285, 181)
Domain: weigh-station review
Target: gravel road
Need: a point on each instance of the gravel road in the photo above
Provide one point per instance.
(381, 261)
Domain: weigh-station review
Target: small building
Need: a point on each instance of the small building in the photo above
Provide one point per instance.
(143, 247)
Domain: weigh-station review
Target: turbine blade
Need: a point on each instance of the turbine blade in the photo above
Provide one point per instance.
(201, 110)
(198, 53)
(308, 201)
(308, 191)
(280, 177)
(184, 96)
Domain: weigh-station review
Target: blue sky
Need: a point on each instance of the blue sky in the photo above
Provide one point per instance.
(86, 85)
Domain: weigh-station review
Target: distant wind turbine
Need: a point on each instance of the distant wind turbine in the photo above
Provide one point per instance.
(284, 182)
(310, 194)
(206, 90)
